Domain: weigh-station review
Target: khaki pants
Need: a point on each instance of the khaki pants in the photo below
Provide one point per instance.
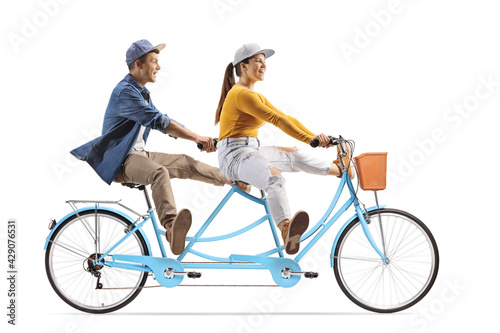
(156, 169)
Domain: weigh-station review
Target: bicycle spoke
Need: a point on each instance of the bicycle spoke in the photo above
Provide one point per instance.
(361, 259)
(71, 249)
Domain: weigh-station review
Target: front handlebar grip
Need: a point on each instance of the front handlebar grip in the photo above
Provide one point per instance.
(315, 143)
(200, 146)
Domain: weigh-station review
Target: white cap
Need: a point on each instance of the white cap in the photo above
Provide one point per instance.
(249, 50)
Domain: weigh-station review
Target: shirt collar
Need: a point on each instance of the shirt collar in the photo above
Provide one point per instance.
(130, 80)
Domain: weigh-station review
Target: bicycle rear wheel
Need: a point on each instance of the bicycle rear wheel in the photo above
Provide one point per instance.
(72, 273)
(386, 287)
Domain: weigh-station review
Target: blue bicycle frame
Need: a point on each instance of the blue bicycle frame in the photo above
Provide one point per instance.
(264, 260)
(322, 223)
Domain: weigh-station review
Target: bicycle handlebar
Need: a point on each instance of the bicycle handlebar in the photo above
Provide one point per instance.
(313, 143)
(333, 141)
(340, 141)
(200, 146)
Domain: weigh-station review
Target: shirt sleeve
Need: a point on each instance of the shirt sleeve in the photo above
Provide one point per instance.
(292, 119)
(250, 103)
(132, 106)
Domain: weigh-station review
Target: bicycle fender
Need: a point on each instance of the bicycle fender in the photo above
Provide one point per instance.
(345, 226)
(92, 208)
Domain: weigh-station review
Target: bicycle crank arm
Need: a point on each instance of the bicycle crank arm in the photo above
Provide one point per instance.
(170, 273)
(276, 267)
(287, 273)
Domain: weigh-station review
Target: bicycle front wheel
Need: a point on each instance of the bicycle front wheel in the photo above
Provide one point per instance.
(410, 272)
(69, 262)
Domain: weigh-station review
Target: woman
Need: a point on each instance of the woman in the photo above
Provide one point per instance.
(241, 112)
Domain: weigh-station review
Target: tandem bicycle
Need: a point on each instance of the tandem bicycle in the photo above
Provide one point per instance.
(98, 257)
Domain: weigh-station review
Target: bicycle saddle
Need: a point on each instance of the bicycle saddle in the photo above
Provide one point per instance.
(133, 185)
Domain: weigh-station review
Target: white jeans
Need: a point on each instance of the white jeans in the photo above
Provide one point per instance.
(243, 159)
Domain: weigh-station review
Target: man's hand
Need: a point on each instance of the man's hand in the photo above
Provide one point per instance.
(324, 140)
(207, 142)
(177, 130)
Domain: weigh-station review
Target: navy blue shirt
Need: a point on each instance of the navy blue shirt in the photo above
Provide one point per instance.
(127, 111)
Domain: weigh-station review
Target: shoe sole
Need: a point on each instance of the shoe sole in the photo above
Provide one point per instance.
(298, 225)
(349, 164)
(180, 228)
(248, 188)
(350, 170)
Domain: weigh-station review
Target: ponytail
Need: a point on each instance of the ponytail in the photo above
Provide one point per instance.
(227, 84)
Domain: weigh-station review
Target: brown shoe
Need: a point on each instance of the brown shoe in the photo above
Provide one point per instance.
(291, 230)
(347, 162)
(177, 229)
(244, 187)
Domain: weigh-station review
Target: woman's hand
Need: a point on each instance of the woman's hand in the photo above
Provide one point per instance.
(324, 140)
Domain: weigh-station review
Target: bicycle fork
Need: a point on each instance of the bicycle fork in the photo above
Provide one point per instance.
(368, 235)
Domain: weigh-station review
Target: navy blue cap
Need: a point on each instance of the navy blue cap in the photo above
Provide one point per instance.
(140, 48)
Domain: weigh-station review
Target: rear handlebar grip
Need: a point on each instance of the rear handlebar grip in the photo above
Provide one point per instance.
(200, 146)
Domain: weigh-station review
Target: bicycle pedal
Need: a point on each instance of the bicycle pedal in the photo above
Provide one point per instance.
(311, 275)
(194, 275)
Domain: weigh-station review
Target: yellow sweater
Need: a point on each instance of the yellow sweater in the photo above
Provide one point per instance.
(244, 111)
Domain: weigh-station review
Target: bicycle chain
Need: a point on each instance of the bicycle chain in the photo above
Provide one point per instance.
(219, 262)
(199, 285)
(204, 285)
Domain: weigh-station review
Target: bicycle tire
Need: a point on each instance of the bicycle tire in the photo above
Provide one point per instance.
(69, 268)
(386, 287)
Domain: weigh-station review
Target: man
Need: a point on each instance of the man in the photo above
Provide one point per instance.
(118, 154)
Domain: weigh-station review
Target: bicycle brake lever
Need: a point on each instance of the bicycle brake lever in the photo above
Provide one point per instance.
(341, 142)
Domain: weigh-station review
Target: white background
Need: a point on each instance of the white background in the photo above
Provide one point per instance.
(412, 65)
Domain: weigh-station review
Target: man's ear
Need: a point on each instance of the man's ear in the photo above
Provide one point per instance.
(138, 64)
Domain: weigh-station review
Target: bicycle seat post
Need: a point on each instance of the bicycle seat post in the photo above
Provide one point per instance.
(146, 195)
